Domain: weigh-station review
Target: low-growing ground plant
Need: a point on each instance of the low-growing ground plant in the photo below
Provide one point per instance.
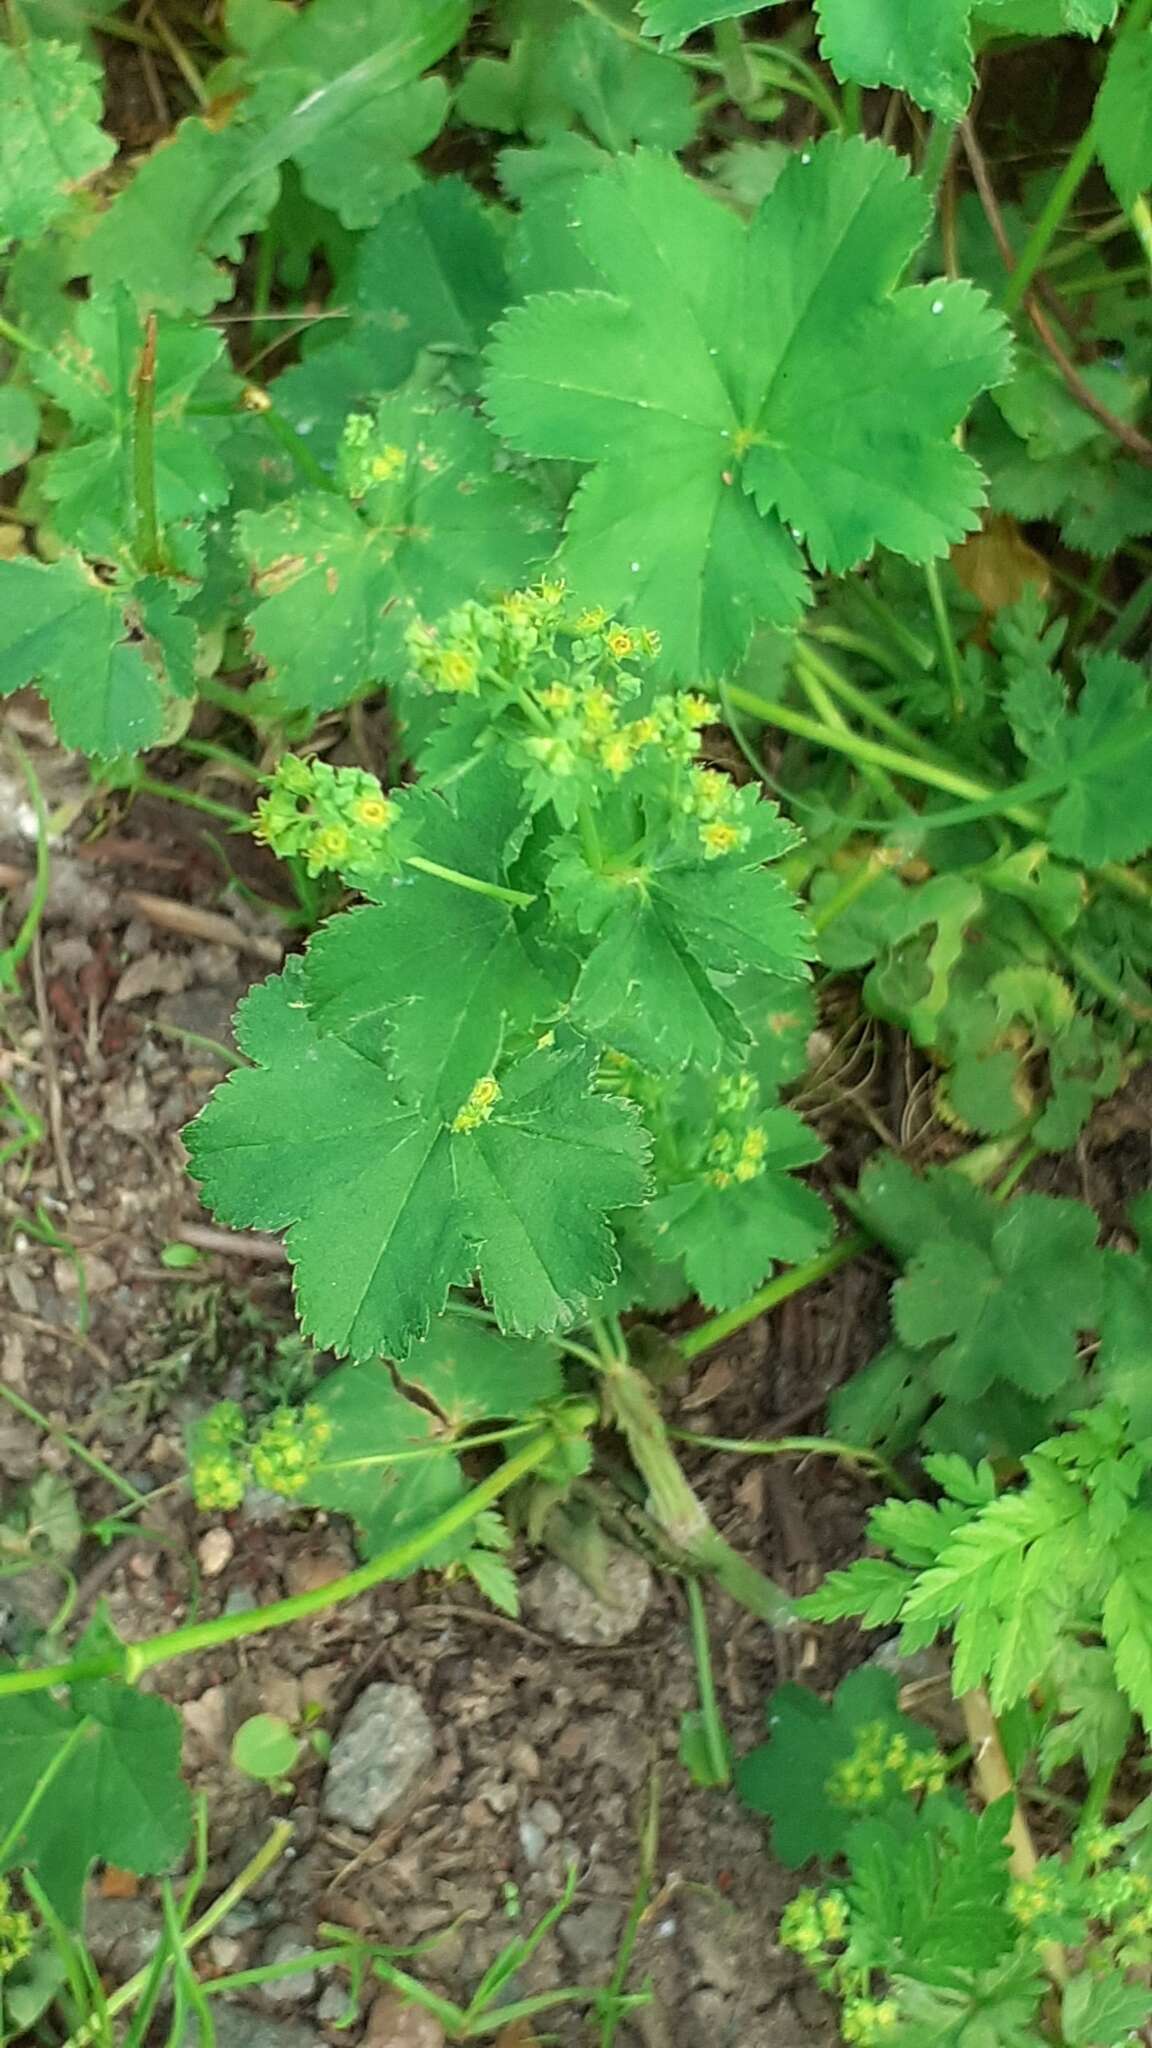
(733, 477)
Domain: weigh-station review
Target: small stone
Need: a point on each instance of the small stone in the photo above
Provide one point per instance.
(215, 1550)
(156, 974)
(380, 1758)
(396, 2023)
(562, 1603)
(206, 1720)
(225, 1952)
(590, 1938)
(238, 2026)
(284, 1945)
(311, 1569)
(546, 1816)
(241, 1600)
(533, 1841)
(334, 2004)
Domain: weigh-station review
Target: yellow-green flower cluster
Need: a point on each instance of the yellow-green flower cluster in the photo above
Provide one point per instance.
(884, 1763)
(288, 1446)
(813, 1922)
(479, 1105)
(219, 1473)
(366, 459)
(866, 2021)
(737, 1157)
(714, 799)
(15, 1931)
(334, 819)
(281, 1454)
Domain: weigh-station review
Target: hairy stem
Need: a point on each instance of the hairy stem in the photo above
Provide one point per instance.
(148, 549)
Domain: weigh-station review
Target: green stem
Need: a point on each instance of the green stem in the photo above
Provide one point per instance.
(294, 445)
(811, 85)
(630, 1404)
(1130, 620)
(209, 1920)
(1142, 226)
(824, 706)
(148, 549)
(1091, 1815)
(938, 149)
(16, 338)
(863, 877)
(147, 785)
(70, 1443)
(13, 955)
(710, 1718)
(795, 1446)
(739, 70)
(948, 650)
(694, 1342)
(518, 898)
(131, 1660)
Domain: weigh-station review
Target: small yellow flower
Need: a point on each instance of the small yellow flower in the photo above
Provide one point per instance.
(599, 710)
(718, 838)
(391, 462)
(616, 753)
(374, 812)
(479, 1106)
(696, 710)
(751, 1160)
(330, 843)
(620, 642)
(552, 589)
(557, 697)
(456, 670)
(648, 642)
(590, 621)
(644, 732)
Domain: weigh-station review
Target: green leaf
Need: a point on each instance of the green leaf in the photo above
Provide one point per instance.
(340, 580)
(172, 236)
(19, 427)
(437, 973)
(1127, 1614)
(583, 71)
(1122, 123)
(788, 1776)
(729, 1238)
(1012, 1309)
(106, 658)
(356, 165)
(390, 1206)
(935, 1892)
(265, 1748)
(91, 376)
(1106, 814)
(925, 53)
(51, 99)
(872, 1590)
(729, 384)
(673, 21)
(367, 1470)
(1098, 2012)
(472, 1374)
(117, 1797)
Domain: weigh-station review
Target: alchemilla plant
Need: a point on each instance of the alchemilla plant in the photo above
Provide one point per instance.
(675, 589)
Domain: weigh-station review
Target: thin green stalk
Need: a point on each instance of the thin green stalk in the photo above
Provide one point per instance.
(210, 750)
(815, 89)
(70, 1443)
(1130, 620)
(256, 1868)
(937, 150)
(646, 1878)
(694, 1342)
(1091, 1816)
(16, 338)
(149, 552)
(853, 107)
(863, 702)
(824, 706)
(796, 1446)
(13, 955)
(147, 785)
(710, 1718)
(31, 1126)
(518, 898)
(739, 70)
(948, 650)
(864, 877)
(1142, 226)
(131, 1660)
(294, 445)
(862, 750)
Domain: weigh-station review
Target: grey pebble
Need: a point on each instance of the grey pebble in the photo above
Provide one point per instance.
(379, 1759)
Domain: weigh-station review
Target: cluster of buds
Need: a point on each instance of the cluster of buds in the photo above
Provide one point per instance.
(280, 1453)
(882, 1764)
(15, 1931)
(335, 820)
(812, 1923)
(714, 800)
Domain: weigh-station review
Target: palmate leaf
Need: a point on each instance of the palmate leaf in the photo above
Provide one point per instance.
(1010, 1308)
(731, 383)
(108, 659)
(361, 162)
(371, 1422)
(91, 376)
(730, 1237)
(389, 1205)
(580, 70)
(472, 1373)
(436, 974)
(118, 1797)
(51, 99)
(341, 579)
